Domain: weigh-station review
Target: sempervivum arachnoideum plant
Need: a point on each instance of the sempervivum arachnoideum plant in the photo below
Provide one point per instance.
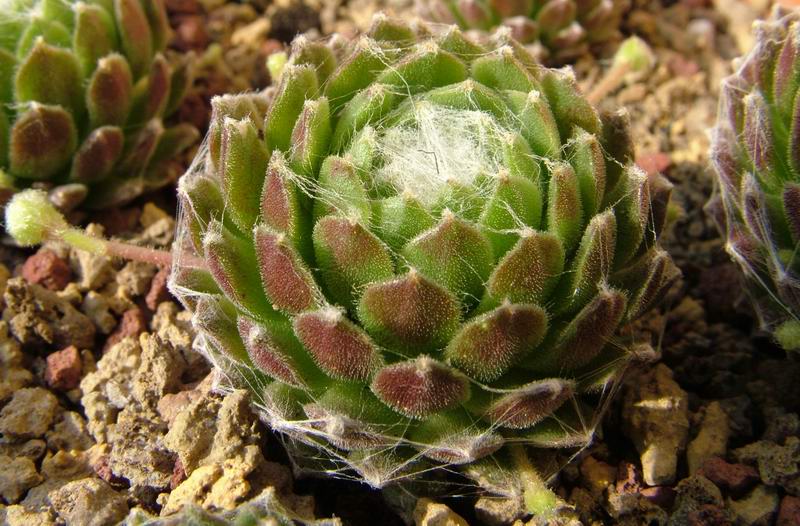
(84, 89)
(420, 248)
(756, 154)
(561, 30)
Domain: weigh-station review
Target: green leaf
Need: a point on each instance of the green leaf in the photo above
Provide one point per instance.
(95, 36)
(501, 70)
(244, 166)
(410, 314)
(51, 75)
(135, 35)
(43, 139)
(454, 254)
(298, 84)
(564, 209)
(530, 271)
(516, 203)
(109, 96)
(532, 115)
(311, 136)
(489, 345)
(349, 257)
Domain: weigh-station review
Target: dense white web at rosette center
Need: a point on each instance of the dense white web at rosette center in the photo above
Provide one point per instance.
(436, 148)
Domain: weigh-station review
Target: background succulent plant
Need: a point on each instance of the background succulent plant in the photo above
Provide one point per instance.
(756, 155)
(565, 29)
(422, 252)
(263, 510)
(84, 88)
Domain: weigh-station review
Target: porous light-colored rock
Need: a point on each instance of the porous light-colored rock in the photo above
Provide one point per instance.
(777, 465)
(89, 502)
(193, 490)
(234, 487)
(220, 485)
(136, 450)
(217, 444)
(237, 427)
(93, 270)
(694, 493)
(19, 516)
(17, 475)
(39, 316)
(69, 433)
(159, 372)
(758, 507)
(29, 414)
(656, 417)
(108, 389)
(159, 227)
(57, 470)
(712, 440)
(151, 214)
(98, 308)
(211, 431)
(430, 513)
(33, 449)
(13, 376)
(133, 280)
(192, 433)
(171, 405)
(174, 326)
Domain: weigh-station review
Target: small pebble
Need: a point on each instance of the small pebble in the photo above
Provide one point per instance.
(736, 479)
(133, 324)
(29, 414)
(64, 369)
(158, 289)
(45, 268)
(789, 512)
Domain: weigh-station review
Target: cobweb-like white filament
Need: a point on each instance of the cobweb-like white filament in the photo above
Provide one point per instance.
(438, 147)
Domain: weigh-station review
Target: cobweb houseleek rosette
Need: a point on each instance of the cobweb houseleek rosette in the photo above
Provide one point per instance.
(419, 249)
(85, 88)
(756, 156)
(558, 30)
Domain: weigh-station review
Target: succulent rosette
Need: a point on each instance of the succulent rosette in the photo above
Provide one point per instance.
(561, 30)
(756, 156)
(84, 88)
(419, 249)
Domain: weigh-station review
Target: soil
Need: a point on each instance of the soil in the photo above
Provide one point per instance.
(105, 408)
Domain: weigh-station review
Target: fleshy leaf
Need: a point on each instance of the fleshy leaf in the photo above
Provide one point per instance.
(409, 313)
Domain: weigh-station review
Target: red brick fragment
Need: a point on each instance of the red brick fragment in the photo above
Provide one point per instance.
(178, 474)
(133, 324)
(789, 512)
(736, 479)
(46, 269)
(64, 369)
(158, 289)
